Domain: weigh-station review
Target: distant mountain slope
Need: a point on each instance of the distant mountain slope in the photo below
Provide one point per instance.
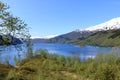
(9, 40)
(39, 40)
(102, 38)
(72, 36)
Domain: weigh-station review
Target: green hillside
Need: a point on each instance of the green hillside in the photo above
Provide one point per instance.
(102, 38)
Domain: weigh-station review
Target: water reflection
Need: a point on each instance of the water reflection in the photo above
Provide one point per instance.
(84, 52)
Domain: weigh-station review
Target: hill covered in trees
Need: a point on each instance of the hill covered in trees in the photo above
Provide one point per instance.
(102, 38)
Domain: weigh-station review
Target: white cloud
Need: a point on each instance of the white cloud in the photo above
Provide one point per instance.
(33, 37)
(50, 36)
(44, 37)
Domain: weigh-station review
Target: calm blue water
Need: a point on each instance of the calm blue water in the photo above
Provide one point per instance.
(62, 49)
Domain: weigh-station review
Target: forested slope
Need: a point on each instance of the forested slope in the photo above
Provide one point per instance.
(102, 38)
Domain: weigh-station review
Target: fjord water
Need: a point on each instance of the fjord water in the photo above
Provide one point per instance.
(83, 52)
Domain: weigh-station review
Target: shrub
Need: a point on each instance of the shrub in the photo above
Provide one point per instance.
(12, 75)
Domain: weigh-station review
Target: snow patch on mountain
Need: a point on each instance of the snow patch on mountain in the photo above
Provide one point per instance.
(111, 24)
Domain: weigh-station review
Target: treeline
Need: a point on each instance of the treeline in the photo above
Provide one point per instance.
(46, 66)
(102, 67)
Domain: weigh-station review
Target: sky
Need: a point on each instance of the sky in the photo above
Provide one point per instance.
(47, 18)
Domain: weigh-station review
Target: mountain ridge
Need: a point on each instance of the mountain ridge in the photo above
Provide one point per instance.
(79, 34)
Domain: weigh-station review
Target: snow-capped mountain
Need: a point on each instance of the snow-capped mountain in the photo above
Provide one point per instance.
(82, 33)
(111, 24)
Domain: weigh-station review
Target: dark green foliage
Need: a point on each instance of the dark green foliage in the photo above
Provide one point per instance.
(116, 33)
(106, 72)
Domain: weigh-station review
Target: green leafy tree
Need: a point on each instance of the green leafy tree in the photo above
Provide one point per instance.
(61, 59)
(106, 72)
(29, 52)
(68, 61)
(44, 53)
(13, 27)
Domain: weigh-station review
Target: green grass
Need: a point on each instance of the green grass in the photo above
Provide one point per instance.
(4, 70)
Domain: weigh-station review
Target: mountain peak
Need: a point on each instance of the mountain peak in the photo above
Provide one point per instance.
(111, 24)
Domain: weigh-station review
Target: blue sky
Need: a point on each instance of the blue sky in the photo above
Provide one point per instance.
(55, 17)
